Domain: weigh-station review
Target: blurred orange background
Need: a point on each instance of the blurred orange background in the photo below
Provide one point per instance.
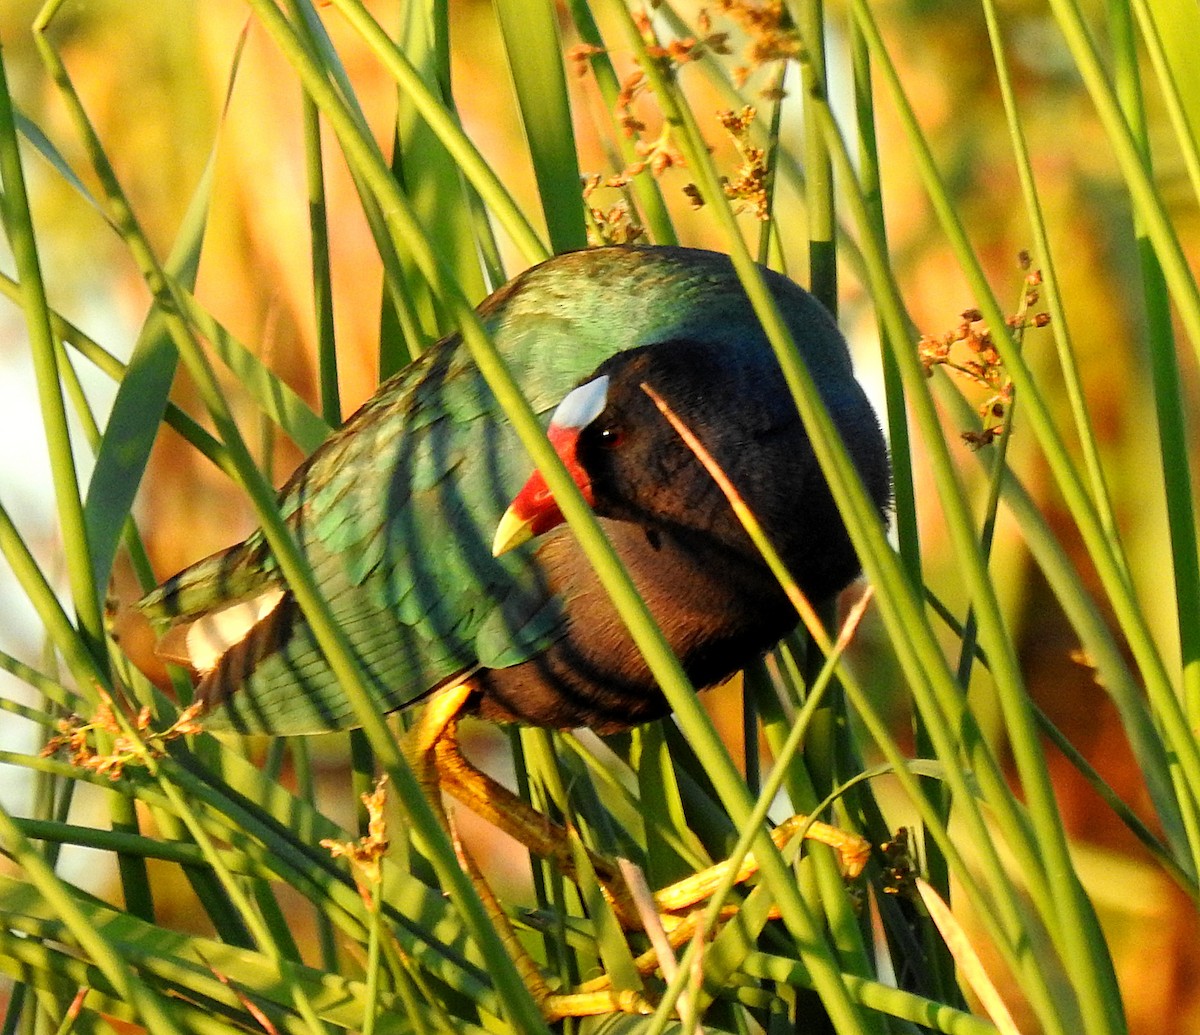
(153, 78)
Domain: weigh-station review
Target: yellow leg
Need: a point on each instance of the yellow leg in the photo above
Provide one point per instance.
(853, 852)
(494, 802)
(440, 766)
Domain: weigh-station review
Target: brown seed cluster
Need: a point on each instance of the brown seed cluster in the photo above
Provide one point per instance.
(614, 224)
(680, 51)
(367, 853)
(969, 351)
(770, 36)
(770, 39)
(133, 742)
(749, 185)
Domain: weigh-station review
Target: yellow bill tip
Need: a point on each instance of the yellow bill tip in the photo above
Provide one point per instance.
(511, 531)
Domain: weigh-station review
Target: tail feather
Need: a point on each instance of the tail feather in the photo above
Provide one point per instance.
(237, 663)
(203, 643)
(224, 578)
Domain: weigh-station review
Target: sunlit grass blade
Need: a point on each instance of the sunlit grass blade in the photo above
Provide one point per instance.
(426, 170)
(18, 225)
(1166, 28)
(322, 282)
(530, 32)
(73, 914)
(1168, 396)
(207, 968)
(1145, 200)
(1039, 420)
(1101, 650)
(470, 162)
(115, 370)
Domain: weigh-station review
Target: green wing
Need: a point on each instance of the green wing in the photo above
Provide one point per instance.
(395, 513)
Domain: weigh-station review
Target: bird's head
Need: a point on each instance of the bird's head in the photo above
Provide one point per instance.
(631, 465)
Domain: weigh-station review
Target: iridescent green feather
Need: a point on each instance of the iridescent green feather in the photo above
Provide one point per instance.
(396, 512)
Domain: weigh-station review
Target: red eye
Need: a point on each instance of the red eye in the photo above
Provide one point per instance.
(611, 437)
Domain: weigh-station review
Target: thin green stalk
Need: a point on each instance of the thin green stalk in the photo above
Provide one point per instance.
(137, 993)
(1180, 828)
(870, 189)
(1177, 107)
(904, 505)
(1173, 432)
(1123, 812)
(1145, 741)
(1054, 887)
(857, 509)
(1146, 200)
(1186, 295)
(819, 188)
(113, 368)
(442, 201)
(318, 228)
(1127, 610)
(90, 636)
(1081, 417)
(91, 433)
(374, 935)
(529, 29)
(473, 165)
(1001, 913)
(41, 595)
(960, 524)
(997, 454)
(307, 791)
(1103, 653)
(399, 305)
(875, 995)
(784, 754)
(18, 224)
(252, 917)
(769, 249)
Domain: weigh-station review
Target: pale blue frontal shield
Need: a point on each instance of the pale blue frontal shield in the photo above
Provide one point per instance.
(582, 405)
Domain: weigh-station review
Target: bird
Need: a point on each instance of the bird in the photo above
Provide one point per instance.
(444, 557)
(447, 562)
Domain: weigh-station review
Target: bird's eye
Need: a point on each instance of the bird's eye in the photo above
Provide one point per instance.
(610, 436)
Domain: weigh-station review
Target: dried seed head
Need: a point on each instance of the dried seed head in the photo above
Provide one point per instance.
(366, 854)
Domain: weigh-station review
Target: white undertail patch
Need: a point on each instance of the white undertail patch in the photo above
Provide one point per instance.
(202, 643)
